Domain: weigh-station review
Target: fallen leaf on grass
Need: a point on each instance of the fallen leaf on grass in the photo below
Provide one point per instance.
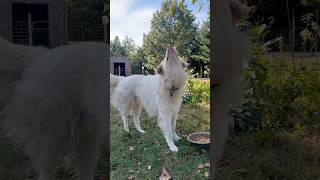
(157, 143)
(200, 166)
(204, 165)
(207, 165)
(149, 167)
(165, 174)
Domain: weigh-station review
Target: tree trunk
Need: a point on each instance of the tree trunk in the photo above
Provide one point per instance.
(289, 21)
(317, 34)
(293, 34)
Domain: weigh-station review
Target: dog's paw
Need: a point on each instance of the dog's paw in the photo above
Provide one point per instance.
(174, 148)
(175, 137)
(141, 131)
(126, 130)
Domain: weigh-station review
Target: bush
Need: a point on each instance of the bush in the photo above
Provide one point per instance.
(265, 137)
(197, 91)
(281, 95)
(247, 116)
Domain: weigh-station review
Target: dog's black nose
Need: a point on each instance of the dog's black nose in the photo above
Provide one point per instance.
(171, 92)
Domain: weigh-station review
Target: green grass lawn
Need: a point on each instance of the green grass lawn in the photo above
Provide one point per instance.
(142, 156)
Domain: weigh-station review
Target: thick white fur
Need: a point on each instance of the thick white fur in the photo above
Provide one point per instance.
(59, 108)
(160, 95)
(14, 59)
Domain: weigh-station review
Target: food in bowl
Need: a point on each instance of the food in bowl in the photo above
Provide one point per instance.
(202, 139)
(199, 138)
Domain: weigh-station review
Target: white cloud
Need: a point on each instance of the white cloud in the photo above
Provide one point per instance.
(128, 21)
(200, 17)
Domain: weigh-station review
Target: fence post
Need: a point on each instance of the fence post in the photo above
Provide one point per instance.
(29, 29)
(105, 30)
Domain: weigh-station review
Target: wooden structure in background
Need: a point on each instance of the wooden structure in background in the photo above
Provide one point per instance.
(49, 30)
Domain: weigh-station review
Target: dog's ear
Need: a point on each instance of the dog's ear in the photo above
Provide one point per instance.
(239, 10)
(184, 64)
(159, 70)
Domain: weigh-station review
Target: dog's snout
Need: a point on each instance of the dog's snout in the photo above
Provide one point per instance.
(172, 89)
(171, 53)
(171, 48)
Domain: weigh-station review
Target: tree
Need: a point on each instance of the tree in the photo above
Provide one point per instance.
(177, 29)
(124, 48)
(315, 3)
(137, 58)
(310, 34)
(128, 45)
(84, 11)
(202, 58)
(116, 48)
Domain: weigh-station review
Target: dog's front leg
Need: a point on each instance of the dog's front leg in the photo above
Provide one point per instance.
(124, 118)
(45, 162)
(137, 113)
(166, 128)
(173, 124)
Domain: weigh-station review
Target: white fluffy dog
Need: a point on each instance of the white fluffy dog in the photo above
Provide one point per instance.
(160, 95)
(58, 108)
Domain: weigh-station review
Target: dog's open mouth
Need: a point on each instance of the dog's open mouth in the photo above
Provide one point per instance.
(172, 90)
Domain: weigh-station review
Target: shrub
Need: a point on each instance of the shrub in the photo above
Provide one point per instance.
(280, 95)
(247, 116)
(265, 137)
(197, 91)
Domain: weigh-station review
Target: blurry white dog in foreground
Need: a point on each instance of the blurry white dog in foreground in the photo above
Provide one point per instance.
(160, 95)
(58, 106)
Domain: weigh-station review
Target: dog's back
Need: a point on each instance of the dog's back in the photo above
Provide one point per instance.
(142, 87)
(114, 81)
(16, 58)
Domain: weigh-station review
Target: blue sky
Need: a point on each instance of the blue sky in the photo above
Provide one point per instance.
(133, 17)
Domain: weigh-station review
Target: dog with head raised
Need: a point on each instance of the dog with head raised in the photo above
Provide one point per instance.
(160, 95)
